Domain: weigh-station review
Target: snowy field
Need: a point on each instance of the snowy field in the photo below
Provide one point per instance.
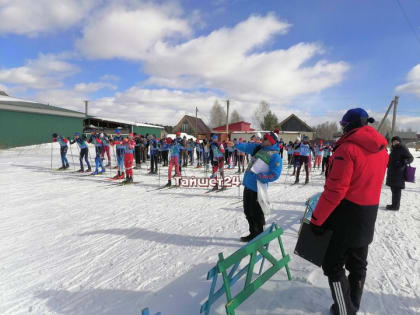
(76, 244)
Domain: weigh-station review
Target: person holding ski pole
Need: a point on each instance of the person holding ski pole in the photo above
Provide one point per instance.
(81, 142)
(217, 157)
(63, 150)
(265, 166)
(95, 139)
(120, 148)
(174, 149)
(105, 148)
(305, 150)
(348, 207)
(318, 155)
(129, 146)
(154, 148)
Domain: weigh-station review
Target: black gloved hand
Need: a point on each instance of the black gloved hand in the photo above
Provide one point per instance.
(317, 230)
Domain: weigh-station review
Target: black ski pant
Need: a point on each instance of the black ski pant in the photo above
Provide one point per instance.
(289, 159)
(137, 154)
(303, 160)
(165, 155)
(346, 291)
(84, 153)
(396, 196)
(325, 162)
(153, 163)
(253, 212)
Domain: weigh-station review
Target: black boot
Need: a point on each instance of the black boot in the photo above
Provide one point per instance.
(392, 207)
(168, 184)
(356, 290)
(306, 180)
(247, 238)
(340, 291)
(297, 180)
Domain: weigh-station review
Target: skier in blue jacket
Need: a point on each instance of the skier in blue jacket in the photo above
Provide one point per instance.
(84, 150)
(63, 150)
(265, 166)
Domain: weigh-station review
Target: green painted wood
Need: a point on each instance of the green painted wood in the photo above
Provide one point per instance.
(254, 286)
(245, 251)
(283, 253)
(21, 129)
(250, 269)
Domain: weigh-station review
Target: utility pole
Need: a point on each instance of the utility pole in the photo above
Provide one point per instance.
(196, 132)
(227, 120)
(394, 116)
(386, 115)
(86, 108)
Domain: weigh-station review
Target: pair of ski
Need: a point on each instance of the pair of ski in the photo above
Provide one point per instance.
(214, 189)
(294, 184)
(163, 187)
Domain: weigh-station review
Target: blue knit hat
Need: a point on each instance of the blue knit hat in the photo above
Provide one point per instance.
(353, 115)
(355, 118)
(117, 130)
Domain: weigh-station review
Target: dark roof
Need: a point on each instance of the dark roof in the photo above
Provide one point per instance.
(201, 126)
(406, 135)
(294, 123)
(22, 105)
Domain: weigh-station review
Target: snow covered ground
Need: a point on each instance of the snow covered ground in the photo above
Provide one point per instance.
(76, 244)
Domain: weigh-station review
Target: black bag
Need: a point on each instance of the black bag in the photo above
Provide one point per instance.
(310, 246)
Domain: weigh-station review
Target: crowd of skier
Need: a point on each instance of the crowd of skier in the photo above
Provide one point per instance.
(133, 150)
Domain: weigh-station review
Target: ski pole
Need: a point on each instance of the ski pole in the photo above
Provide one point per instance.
(51, 154)
(72, 159)
(287, 174)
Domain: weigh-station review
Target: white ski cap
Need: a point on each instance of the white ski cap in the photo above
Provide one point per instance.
(297, 138)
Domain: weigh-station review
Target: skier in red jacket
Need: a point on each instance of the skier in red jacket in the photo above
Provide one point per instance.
(349, 206)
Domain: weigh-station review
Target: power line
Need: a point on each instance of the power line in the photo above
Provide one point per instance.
(409, 22)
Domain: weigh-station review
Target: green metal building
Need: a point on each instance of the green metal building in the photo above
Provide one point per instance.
(27, 123)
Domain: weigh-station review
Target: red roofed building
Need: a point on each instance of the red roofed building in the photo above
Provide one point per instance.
(238, 126)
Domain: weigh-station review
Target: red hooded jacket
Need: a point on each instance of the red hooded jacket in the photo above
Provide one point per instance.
(356, 173)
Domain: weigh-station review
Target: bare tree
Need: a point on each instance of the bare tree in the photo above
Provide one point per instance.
(326, 130)
(217, 115)
(235, 117)
(259, 114)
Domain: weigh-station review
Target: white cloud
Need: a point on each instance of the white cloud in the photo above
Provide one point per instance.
(109, 77)
(93, 87)
(69, 99)
(227, 60)
(412, 85)
(31, 17)
(135, 104)
(45, 72)
(123, 31)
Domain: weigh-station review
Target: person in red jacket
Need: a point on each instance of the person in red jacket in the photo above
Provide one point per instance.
(129, 144)
(349, 206)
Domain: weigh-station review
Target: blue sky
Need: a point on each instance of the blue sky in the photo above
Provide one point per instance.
(154, 61)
